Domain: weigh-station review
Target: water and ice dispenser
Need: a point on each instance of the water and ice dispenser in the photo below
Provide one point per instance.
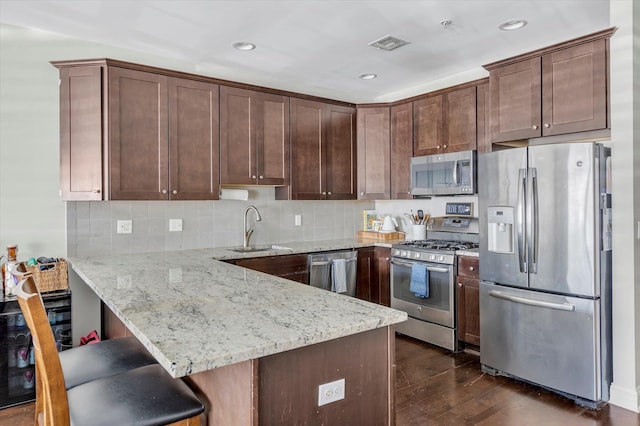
(500, 221)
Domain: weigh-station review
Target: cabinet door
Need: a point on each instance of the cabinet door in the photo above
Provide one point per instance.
(374, 179)
(383, 275)
(515, 101)
(427, 126)
(574, 84)
(308, 155)
(459, 120)
(81, 133)
(401, 150)
(272, 132)
(193, 140)
(341, 152)
(365, 274)
(138, 135)
(469, 310)
(483, 118)
(237, 136)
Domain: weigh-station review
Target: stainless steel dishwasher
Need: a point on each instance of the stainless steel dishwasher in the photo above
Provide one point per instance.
(323, 267)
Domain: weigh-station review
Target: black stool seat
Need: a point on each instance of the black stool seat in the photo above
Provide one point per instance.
(106, 358)
(144, 396)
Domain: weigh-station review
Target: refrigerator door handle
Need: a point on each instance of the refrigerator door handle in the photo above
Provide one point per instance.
(454, 173)
(520, 219)
(523, 300)
(534, 218)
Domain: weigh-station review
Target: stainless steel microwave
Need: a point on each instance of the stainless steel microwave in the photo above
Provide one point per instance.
(453, 173)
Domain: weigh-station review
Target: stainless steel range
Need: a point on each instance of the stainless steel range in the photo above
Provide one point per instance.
(432, 315)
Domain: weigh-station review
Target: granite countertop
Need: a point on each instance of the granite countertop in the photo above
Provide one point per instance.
(195, 313)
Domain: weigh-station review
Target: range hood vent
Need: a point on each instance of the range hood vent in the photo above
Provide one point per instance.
(388, 43)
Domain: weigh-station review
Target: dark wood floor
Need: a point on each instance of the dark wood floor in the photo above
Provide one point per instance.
(436, 387)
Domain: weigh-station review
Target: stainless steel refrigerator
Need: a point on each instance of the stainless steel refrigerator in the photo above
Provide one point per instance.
(545, 267)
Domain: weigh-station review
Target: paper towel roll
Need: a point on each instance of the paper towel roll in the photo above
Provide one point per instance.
(233, 194)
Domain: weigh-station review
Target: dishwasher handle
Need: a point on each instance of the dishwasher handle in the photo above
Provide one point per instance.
(328, 262)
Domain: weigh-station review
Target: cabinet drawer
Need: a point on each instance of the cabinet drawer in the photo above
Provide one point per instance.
(293, 267)
(468, 266)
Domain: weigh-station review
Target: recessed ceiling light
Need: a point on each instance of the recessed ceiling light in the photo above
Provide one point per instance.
(515, 24)
(243, 45)
(367, 76)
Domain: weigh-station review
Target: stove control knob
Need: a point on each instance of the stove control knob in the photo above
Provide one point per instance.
(441, 258)
(417, 255)
(432, 257)
(403, 253)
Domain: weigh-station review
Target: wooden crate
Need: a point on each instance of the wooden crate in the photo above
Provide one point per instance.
(380, 236)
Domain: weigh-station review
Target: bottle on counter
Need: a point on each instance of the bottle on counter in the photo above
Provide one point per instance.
(8, 280)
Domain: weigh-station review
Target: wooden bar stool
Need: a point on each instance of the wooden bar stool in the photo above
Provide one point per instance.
(146, 395)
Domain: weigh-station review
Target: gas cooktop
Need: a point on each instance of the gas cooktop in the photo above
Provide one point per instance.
(439, 245)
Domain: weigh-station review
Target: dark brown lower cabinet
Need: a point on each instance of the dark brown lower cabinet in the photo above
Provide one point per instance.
(468, 285)
(292, 267)
(373, 275)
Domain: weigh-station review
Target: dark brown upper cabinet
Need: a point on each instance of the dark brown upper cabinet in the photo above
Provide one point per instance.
(81, 171)
(163, 137)
(128, 134)
(374, 153)
(401, 150)
(254, 137)
(558, 90)
(445, 122)
(323, 151)
(483, 118)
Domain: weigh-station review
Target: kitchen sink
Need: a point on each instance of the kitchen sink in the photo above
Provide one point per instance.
(253, 249)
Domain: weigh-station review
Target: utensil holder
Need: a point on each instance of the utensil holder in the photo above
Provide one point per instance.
(419, 232)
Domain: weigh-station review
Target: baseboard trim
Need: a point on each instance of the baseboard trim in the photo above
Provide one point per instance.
(625, 398)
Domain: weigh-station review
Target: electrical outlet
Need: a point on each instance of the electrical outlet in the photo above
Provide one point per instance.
(124, 227)
(175, 225)
(330, 392)
(297, 220)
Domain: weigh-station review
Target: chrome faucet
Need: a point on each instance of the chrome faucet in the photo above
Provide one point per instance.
(247, 234)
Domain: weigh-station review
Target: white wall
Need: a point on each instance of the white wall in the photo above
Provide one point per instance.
(625, 134)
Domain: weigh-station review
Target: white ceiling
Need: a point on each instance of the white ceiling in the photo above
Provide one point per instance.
(320, 47)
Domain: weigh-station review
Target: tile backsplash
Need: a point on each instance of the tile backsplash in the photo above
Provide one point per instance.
(91, 225)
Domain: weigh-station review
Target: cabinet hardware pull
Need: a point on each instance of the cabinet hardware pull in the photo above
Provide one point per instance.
(362, 193)
(444, 146)
(329, 193)
(534, 127)
(96, 191)
(471, 268)
(261, 177)
(324, 193)
(164, 191)
(174, 192)
(438, 146)
(459, 284)
(547, 125)
(253, 176)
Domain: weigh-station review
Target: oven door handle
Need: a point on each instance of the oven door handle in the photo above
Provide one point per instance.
(429, 268)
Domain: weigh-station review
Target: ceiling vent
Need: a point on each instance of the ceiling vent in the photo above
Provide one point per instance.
(388, 43)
